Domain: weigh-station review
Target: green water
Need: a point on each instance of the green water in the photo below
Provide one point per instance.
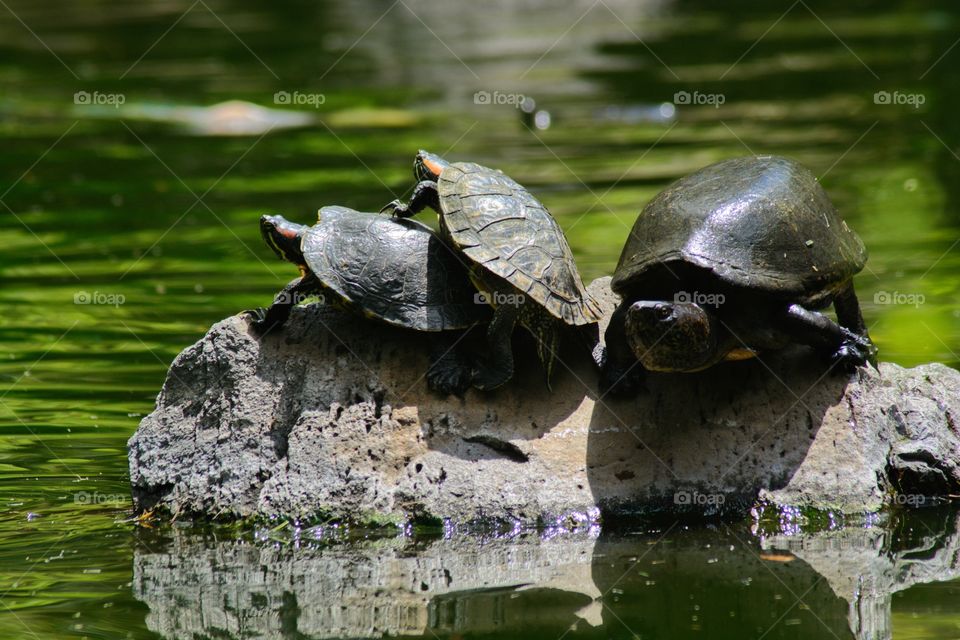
(153, 223)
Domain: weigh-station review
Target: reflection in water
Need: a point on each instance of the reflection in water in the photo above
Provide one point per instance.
(198, 587)
(707, 583)
(866, 567)
(230, 118)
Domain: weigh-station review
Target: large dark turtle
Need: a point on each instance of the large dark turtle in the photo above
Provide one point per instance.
(519, 257)
(730, 261)
(395, 271)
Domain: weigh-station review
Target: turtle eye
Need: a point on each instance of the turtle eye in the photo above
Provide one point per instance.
(663, 312)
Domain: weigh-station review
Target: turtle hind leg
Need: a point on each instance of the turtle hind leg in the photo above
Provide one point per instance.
(547, 335)
(496, 367)
(425, 195)
(449, 372)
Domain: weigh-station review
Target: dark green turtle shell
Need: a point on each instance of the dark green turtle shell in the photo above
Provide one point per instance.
(762, 223)
(500, 226)
(397, 271)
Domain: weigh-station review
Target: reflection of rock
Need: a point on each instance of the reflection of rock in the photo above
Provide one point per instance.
(332, 418)
(712, 584)
(727, 583)
(720, 582)
(207, 588)
(866, 567)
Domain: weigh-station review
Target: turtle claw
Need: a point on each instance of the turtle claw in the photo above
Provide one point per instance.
(488, 378)
(599, 355)
(255, 315)
(448, 380)
(395, 208)
(259, 324)
(855, 351)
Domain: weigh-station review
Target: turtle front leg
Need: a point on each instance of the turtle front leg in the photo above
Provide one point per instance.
(266, 320)
(448, 373)
(425, 195)
(850, 317)
(496, 368)
(845, 348)
(621, 374)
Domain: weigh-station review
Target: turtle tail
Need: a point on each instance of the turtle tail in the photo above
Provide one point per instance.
(547, 335)
(592, 308)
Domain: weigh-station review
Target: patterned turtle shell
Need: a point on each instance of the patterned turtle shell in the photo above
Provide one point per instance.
(500, 226)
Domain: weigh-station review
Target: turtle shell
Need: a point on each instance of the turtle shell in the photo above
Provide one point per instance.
(500, 226)
(762, 223)
(398, 271)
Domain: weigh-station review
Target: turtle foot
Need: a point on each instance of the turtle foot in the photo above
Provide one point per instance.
(621, 383)
(487, 379)
(855, 351)
(447, 379)
(599, 355)
(260, 325)
(396, 209)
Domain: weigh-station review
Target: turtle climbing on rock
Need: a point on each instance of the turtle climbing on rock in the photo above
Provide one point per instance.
(395, 271)
(735, 259)
(519, 258)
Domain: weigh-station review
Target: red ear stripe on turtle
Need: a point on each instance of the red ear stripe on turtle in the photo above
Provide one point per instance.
(432, 166)
(288, 232)
(428, 166)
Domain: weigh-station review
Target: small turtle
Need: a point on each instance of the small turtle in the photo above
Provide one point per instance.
(395, 271)
(733, 260)
(519, 257)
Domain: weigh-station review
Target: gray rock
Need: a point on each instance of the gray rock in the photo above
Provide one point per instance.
(332, 418)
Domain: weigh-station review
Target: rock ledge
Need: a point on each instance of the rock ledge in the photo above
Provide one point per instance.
(332, 418)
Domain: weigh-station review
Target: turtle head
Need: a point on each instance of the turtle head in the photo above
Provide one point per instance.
(428, 166)
(284, 238)
(672, 336)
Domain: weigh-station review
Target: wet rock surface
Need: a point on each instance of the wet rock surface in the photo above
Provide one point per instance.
(331, 418)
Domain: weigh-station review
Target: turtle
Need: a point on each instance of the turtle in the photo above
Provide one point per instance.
(398, 272)
(518, 256)
(736, 259)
